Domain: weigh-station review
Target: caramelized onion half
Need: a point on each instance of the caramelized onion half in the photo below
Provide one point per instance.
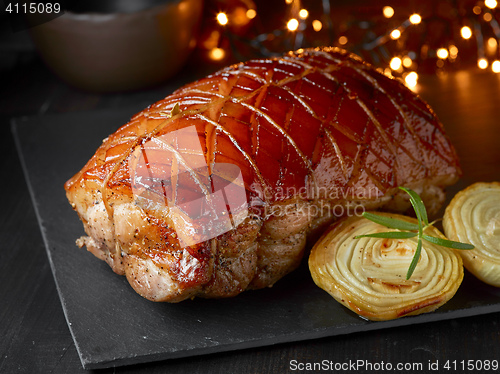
(473, 216)
(368, 275)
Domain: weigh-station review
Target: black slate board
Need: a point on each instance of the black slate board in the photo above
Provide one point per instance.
(112, 325)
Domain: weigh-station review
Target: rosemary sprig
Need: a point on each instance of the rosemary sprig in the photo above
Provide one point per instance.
(392, 223)
(411, 230)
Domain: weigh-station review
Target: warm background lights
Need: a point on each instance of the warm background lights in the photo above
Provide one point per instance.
(492, 4)
(292, 25)
(303, 13)
(317, 25)
(466, 32)
(251, 13)
(395, 63)
(395, 34)
(415, 19)
(222, 18)
(482, 63)
(388, 11)
(495, 66)
(442, 53)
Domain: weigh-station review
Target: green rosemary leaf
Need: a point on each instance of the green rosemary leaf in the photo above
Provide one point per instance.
(415, 259)
(417, 204)
(408, 229)
(392, 223)
(389, 235)
(434, 222)
(175, 110)
(447, 243)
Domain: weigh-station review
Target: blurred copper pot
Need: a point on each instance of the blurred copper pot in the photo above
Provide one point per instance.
(120, 49)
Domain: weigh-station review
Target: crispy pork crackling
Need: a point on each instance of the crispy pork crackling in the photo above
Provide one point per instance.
(216, 188)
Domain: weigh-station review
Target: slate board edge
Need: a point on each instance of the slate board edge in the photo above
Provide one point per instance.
(14, 128)
(266, 341)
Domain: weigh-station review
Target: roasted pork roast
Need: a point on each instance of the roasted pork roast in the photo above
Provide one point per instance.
(217, 188)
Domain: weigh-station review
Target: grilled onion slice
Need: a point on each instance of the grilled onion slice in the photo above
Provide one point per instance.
(473, 216)
(368, 275)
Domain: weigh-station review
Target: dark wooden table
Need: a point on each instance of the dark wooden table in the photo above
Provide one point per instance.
(34, 337)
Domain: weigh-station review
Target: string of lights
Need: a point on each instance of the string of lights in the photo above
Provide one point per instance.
(402, 39)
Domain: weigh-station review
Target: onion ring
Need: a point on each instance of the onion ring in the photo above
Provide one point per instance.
(368, 275)
(473, 216)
